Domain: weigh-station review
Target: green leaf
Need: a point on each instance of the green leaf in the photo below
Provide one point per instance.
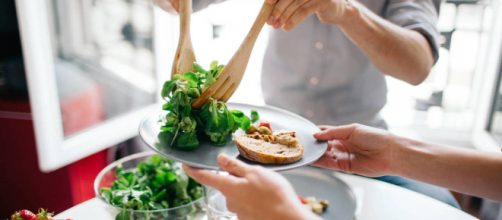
(197, 68)
(187, 141)
(167, 88)
(191, 79)
(254, 116)
(123, 215)
(106, 193)
(166, 138)
(241, 121)
(196, 192)
(213, 65)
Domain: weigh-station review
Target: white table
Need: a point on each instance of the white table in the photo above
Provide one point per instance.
(376, 201)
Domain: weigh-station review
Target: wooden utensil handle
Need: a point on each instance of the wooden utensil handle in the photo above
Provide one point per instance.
(185, 10)
(262, 17)
(184, 57)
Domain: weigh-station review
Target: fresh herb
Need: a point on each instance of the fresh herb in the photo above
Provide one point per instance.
(254, 116)
(183, 127)
(153, 185)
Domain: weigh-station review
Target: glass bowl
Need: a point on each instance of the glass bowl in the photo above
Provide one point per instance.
(193, 210)
(216, 205)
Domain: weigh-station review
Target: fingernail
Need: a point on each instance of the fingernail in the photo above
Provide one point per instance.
(271, 20)
(277, 24)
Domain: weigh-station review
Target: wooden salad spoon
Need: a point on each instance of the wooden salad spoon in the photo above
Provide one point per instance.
(230, 77)
(185, 56)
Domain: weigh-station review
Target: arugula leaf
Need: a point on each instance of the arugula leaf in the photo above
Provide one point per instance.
(241, 120)
(254, 116)
(167, 88)
(187, 141)
(218, 122)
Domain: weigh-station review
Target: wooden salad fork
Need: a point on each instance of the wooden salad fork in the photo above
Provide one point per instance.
(185, 56)
(230, 77)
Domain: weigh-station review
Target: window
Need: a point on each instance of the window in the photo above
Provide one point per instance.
(104, 56)
(495, 118)
(92, 73)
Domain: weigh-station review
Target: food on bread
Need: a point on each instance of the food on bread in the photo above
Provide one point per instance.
(315, 205)
(263, 145)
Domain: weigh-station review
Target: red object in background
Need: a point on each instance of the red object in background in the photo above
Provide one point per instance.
(23, 185)
(82, 110)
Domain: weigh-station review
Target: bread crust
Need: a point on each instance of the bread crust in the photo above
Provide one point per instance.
(267, 153)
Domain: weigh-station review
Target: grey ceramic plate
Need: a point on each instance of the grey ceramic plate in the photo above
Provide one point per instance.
(205, 155)
(322, 184)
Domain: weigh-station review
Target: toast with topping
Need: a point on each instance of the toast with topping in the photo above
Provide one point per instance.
(267, 147)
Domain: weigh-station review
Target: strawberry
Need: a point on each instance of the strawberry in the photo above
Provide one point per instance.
(23, 215)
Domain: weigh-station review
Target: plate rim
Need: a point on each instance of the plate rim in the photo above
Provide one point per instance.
(279, 168)
(331, 174)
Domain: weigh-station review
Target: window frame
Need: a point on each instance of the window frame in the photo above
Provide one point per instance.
(483, 138)
(53, 148)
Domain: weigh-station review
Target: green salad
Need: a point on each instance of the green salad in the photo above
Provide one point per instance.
(183, 127)
(155, 184)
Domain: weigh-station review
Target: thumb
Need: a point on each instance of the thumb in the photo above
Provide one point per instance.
(232, 165)
(339, 132)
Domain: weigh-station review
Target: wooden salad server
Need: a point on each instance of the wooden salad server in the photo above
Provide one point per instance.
(185, 56)
(230, 77)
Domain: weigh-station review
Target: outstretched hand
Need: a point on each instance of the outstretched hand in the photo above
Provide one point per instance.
(358, 149)
(253, 192)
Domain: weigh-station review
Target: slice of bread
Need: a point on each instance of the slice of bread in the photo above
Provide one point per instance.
(266, 152)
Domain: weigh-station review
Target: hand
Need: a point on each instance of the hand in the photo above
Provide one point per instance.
(170, 6)
(359, 149)
(289, 13)
(253, 192)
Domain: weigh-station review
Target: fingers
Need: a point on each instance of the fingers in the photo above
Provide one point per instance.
(325, 127)
(232, 165)
(328, 160)
(339, 132)
(301, 13)
(290, 10)
(175, 4)
(210, 178)
(279, 8)
(335, 161)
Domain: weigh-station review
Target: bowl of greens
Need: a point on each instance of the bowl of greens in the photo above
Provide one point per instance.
(149, 186)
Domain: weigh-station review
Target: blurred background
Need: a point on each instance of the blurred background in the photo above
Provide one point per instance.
(109, 57)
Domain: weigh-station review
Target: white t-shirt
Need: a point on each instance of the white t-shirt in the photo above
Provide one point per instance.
(316, 71)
